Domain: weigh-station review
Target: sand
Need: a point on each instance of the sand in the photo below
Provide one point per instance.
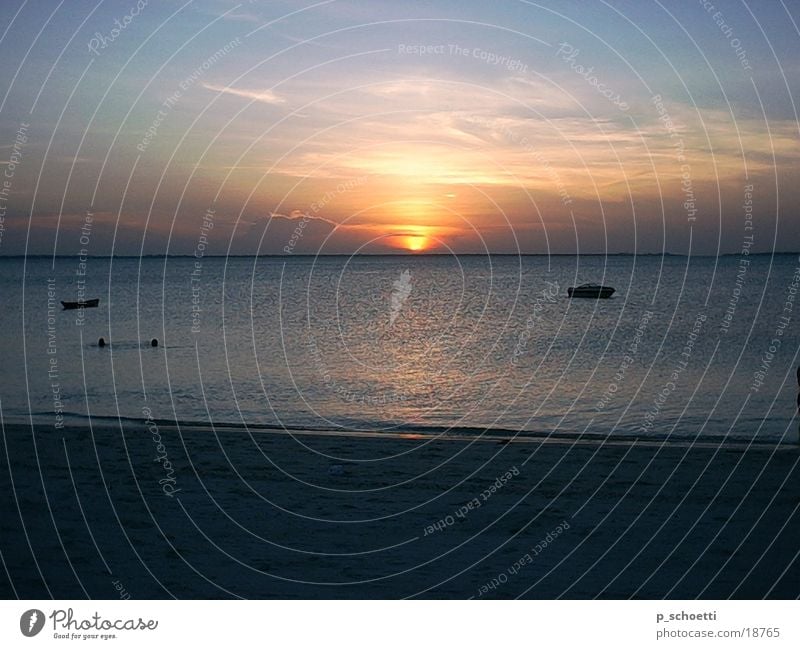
(161, 510)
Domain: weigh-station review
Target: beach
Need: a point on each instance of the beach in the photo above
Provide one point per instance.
(154, 509)
(334, 305)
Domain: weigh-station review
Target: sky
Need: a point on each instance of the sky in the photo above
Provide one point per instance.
(345, 126)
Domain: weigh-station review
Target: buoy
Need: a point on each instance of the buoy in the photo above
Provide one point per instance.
(336, 469)
(154, 343)
(101, 342)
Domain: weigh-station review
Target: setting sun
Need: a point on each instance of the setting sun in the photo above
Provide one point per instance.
(417, 238)
(415, 243)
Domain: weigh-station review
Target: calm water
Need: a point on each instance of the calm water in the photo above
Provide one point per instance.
(411, 342)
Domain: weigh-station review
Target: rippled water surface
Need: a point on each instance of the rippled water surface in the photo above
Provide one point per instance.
(686, 347)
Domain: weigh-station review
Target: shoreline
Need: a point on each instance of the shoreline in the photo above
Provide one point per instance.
(429, 433)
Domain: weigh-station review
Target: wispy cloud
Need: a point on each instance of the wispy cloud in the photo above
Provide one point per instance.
(264, 96)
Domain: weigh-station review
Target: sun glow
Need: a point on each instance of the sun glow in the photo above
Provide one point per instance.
(414, 238)
(411, 226)
(415, 243)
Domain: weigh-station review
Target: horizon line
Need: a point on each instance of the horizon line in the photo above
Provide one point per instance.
(405, 254)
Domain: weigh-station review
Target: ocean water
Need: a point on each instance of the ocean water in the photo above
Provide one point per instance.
(688, 347)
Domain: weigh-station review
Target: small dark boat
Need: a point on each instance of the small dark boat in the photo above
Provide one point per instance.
(593, 291)
(82, 304)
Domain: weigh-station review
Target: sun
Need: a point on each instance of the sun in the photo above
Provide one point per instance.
(415, 243)
(413, 237)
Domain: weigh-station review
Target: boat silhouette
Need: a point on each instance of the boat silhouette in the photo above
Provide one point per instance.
(594, 291)
(80, 304)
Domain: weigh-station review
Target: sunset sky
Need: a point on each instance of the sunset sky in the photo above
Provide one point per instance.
(380, 126)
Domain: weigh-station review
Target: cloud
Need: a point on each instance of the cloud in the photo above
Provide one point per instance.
(264, 96)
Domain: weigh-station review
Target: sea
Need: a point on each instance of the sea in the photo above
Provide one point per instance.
(687, 347)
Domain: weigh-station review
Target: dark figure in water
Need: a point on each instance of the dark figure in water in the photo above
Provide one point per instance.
(101, 342)
(154, 342)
